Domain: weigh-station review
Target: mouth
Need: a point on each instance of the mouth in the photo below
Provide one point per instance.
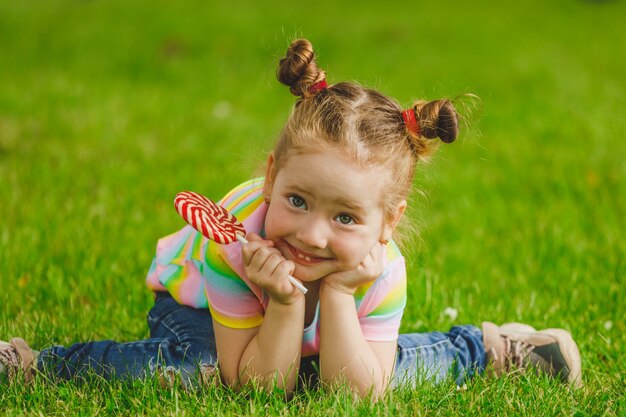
(304, 258)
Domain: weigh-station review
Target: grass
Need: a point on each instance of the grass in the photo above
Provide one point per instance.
(108, 109)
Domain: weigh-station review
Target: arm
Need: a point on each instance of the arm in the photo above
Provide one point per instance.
(345, 355)
(269, 353)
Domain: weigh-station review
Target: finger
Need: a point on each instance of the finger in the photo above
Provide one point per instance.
(369, 259)
(248, 250)
(378, 253)
(271, 263)
(378, 259)
(260, 257)
(283, 270)
(254, 236)
(374, 261)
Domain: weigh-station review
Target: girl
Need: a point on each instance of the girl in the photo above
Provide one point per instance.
(334, 192)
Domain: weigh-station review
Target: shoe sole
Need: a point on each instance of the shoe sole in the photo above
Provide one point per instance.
(570, 352)
(566, 343)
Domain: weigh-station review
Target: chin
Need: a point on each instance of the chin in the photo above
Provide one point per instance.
(307, 275)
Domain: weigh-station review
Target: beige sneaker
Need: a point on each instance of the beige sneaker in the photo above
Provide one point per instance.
(15, 356)
(517, 345)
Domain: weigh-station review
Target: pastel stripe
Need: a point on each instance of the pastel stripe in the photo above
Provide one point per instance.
(203, 274)
(247, 189)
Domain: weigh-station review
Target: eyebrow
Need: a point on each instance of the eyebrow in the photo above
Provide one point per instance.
(351, 205)
(299, 189)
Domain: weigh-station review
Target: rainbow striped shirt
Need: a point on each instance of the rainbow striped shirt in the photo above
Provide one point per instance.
(203, 274)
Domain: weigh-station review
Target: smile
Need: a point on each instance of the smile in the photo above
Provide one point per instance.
(303, 257)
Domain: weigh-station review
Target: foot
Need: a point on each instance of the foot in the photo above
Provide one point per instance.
(516, 345)
(16, 356)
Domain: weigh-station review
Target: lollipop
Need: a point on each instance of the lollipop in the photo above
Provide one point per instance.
(208, 218)
(214, 222)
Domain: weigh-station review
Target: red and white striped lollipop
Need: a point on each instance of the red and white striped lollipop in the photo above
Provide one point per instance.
(207, 217)
(214, 222)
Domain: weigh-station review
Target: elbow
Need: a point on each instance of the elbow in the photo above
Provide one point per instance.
(362, 388)
(375, 391)
(230, 380)
(372, 392)
(273, 382)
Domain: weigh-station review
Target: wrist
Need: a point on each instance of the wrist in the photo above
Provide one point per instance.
(294, 302)
(331, 287)
(281, 317)
(285, 293)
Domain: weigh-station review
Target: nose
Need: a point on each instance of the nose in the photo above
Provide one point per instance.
(313, 232)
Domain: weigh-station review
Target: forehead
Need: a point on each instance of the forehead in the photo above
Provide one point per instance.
(332, 176)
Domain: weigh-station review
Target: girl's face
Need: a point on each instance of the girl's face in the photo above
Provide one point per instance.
(325, 213)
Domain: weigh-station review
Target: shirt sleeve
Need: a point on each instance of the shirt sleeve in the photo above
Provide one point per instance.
(178, 267)
(203, 274)
(380, 305)
(193, 270)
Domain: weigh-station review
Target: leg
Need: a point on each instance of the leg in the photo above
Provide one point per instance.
(181, 339)
(436, 356)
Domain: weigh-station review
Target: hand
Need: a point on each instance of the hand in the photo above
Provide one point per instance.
(266, 267)
(368, 270)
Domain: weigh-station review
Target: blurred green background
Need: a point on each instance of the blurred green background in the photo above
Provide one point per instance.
(109, 108)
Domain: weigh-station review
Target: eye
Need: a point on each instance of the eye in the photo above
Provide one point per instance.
(297, 201)
(345, 219)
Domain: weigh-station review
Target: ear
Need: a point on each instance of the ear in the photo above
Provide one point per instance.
(269, 175)
(391, 223)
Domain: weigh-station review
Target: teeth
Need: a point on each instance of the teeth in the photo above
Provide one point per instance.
(306, 258)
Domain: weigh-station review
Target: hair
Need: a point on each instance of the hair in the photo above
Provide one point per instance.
(363, 124)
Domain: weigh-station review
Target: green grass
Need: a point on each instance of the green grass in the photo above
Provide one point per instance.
(108, 109)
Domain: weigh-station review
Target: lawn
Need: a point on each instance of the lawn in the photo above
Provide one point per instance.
(109, 108)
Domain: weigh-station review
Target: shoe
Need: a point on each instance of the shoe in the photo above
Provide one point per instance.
(16, 356)
(518, 346)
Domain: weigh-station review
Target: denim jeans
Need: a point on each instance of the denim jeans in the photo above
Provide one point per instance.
(458, 354)
(182, 339)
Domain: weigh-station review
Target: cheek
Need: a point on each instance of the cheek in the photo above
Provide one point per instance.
(270, 225)
(276, 222)
(352, 252)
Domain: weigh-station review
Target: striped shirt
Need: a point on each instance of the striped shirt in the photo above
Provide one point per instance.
(203, 274)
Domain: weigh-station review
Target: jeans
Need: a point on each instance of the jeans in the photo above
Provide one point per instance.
(436, 356)
(182, 340)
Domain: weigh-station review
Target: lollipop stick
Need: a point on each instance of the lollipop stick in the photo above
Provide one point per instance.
(291, 279)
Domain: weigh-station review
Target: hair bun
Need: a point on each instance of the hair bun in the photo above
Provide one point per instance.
(298, 69)
(437, 119)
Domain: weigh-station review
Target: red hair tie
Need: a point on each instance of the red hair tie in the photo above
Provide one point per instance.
(411, 122)
(318, 86)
